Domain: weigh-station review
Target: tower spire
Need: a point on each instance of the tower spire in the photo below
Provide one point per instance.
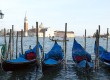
(26, 14)
(25, 25)
(25, 19)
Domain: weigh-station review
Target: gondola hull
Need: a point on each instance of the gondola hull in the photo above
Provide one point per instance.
(52, 66)
(10, 66)
(104, 62)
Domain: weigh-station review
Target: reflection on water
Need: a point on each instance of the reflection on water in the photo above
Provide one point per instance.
(27, 74)
(68, 73)
(50, 74)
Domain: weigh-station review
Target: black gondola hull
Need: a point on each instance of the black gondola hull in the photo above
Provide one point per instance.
(10, 66)
(51, 66)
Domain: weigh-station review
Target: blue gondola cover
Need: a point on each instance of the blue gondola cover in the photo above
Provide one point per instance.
(78, 50)
(81, 57)
(55, 53)
(103, 54)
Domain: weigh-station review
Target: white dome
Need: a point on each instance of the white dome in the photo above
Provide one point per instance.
(41, 26)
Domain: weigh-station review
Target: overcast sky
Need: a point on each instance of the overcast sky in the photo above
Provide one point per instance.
(79, 14)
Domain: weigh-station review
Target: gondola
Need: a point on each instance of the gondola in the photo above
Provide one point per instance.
(81, 58)
(54, 58)
(104, 55)
(24, 61)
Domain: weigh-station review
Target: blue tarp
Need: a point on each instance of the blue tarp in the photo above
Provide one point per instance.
(55, 53)
(103, 54)
(78, 50)
(101, 49)
(22, 57)
(50, 61)
(18, 60)
(84, 63)
(34, 49)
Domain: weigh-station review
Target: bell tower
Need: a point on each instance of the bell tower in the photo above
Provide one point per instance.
(25, 26)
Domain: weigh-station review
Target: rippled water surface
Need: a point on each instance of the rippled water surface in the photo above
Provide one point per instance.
(69, 72)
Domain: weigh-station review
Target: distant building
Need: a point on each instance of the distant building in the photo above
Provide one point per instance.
(62, 33)
(41, 26)
(48, 32)
(32, 32)
(25, 26)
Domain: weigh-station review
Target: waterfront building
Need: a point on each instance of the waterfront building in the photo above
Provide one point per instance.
(48, 31)
(32, 31)
(62, 33)
(41, 26)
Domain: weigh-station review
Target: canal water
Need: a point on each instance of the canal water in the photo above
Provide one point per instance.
(68, 73)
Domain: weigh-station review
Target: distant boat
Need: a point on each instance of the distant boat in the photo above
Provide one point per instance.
(89, 37)
(58, 39)
(104, 55)
(24, 61)
(81, 58)
(54, 58)
(104, 38)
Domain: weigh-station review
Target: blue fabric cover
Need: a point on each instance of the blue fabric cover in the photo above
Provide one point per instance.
(50, 61)
(34, 49)
(55, 53)
(40, 47)
(78, 50)
(91, 65)
(101, 49)
(20, 59)
(21, 55)
(83, 64)
(103, 54)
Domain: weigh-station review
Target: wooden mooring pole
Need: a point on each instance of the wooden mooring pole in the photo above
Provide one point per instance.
(43, 43)
(65, 42)
(97, 51)
(17, 45)
(12, 40)
(6, 56)
(5, 36)
(38, 59)
(22, 41)
(99, 31)
(85, 40)
(9, 44)
(37, 50)
(107, 39)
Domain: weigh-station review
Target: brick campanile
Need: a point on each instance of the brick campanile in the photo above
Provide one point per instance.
(25, 26)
